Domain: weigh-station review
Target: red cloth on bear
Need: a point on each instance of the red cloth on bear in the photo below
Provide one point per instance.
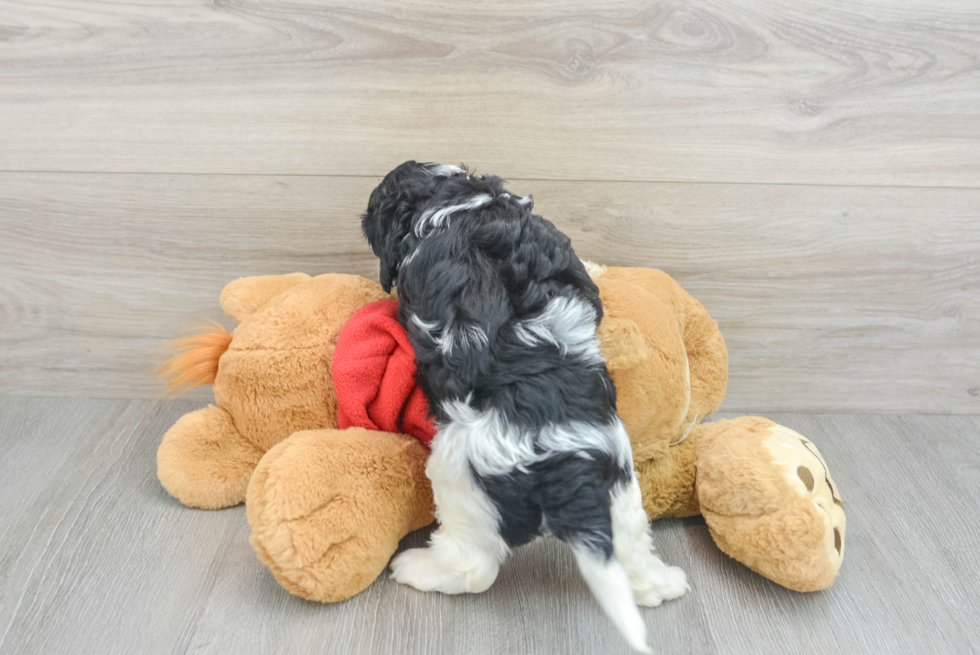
(374, 375)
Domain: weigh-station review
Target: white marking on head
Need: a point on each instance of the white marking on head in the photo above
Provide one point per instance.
(446, 170)
(569, 324)
(433, 218)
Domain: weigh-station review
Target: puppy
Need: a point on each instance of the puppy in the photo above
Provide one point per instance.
(503, 318)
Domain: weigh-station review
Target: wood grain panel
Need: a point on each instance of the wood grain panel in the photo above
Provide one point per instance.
(849, 92)
(96, 558)
(830, 298)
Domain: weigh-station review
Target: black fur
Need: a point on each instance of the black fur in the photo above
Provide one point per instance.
(486, 269)
(570, 490)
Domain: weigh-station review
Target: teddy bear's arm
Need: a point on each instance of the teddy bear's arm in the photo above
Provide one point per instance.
(705, 347)
(204, 461)
(244, 296)
(623, 345)
(707, 359)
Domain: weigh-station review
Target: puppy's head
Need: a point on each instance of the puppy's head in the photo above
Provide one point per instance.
(393, 207)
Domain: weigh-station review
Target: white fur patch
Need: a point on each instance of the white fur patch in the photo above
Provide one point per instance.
(411, 256)
(433, 218)
(611, 587)
(494, 447)
(652, 581)
(485, 439)
(569, 324)
(447, 170)
(464, 336)
(428, 326)
(464, 554)
(523, 201)
(447, 340)
(573, 437)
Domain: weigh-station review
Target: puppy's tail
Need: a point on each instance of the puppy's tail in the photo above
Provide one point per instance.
(610, 585)
(583, 514)
(196, 360)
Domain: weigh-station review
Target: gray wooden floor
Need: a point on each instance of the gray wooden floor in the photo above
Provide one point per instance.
(96, 558)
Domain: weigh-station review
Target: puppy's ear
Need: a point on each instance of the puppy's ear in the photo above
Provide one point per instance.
(387, 224)
(389, 271)
(371, 224)
(623, 344)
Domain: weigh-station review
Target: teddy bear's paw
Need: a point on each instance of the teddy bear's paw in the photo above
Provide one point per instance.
(428, 569)
(328, 508)
(657, 586)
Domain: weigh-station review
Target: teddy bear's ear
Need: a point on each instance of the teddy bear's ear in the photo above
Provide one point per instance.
(623, 344)
(241, 298)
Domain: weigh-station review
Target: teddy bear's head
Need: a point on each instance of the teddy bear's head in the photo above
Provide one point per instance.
(275, 378)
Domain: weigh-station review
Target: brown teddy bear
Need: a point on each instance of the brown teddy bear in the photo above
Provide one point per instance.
(328, 506)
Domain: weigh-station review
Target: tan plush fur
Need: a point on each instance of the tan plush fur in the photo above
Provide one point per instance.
(328, 507)
(763, 515)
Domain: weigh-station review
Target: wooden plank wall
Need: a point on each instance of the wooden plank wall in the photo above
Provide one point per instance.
(808, 170)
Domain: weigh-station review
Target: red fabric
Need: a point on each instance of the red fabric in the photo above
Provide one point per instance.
(374, 375)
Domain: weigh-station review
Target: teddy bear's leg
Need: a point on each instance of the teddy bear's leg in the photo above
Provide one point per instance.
(769, 501)
(204, 461)
(328, 508)
(241, 298)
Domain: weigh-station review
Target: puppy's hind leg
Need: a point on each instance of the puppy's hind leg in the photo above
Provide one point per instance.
(465, 552)
(576, 502)
(653, 581)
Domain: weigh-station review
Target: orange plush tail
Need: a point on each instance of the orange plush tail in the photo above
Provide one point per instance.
(196, 360)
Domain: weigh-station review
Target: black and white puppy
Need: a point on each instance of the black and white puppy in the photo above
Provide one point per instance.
(503, 318)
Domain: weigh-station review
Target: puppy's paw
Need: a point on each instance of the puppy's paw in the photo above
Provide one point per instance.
(425, 570)
(416, 568)
(668, 584)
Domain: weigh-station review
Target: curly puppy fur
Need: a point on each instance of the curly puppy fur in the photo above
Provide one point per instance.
(503, 318)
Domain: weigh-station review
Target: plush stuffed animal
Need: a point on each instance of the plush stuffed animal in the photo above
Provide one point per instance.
(316, 408)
